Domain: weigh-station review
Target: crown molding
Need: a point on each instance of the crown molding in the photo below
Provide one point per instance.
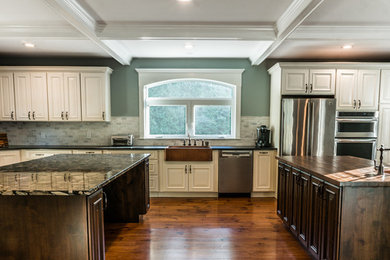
(294, 15)
(313, 32)
(79, 18)
(175, 31)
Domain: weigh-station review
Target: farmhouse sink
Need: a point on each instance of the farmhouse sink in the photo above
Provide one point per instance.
(188, 153)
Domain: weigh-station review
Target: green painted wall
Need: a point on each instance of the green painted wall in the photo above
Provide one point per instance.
(124, 80)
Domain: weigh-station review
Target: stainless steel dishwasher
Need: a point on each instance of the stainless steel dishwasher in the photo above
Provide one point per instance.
(235, 171)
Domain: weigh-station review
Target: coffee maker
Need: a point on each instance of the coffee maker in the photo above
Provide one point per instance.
(263, 137)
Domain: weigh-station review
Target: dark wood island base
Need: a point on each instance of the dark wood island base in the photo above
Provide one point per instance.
(71, 226)
(333, 208)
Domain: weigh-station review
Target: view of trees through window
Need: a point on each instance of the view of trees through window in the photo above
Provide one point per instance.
(202, 108)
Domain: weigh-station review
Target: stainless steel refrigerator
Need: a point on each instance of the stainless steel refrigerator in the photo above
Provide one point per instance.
(308, 126)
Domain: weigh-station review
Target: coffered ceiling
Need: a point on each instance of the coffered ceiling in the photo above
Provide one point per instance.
(254, 29)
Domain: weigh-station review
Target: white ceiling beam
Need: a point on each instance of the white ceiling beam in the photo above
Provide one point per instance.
(311, 32)
(80, 19)
(175, 31)
(295, 14)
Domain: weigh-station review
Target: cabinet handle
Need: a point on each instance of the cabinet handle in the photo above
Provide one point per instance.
(306, 89)
(39, 154)
(360, 104)
(67, 116)
(32, 177)
(62, 115)
(64, 177)
(12, 115)
(104, 115)
(16, 178)
(105, 201)
(89, 152)
(29, 115)
(354, 104)
(311, 88)
(190, 169)
(263, 152)
(33, 115)
(185, 169)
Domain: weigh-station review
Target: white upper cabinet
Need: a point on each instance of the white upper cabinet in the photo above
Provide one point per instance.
(308, 82)
(31, 96)
(357, 90)
(64, 96)
(7, 97)
(385, 87)
(95, 97)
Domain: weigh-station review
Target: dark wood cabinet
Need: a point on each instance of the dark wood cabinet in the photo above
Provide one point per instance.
(310, 208)
(96, 226)
(330, 206)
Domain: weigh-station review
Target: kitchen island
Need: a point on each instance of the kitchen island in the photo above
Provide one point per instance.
(53, 208)
(335, 206)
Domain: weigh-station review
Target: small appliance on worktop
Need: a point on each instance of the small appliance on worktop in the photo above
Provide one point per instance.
(122, 140)
(263, 137)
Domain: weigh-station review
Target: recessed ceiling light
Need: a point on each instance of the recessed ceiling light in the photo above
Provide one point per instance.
(184, 1)
(29, 44)
(188, 46)
(347, 46)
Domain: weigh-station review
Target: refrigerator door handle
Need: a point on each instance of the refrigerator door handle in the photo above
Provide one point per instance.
(308, 127)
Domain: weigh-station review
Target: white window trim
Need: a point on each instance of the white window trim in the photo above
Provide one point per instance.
(229, 76)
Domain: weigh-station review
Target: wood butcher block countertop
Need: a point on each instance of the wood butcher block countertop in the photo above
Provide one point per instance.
(339, 170)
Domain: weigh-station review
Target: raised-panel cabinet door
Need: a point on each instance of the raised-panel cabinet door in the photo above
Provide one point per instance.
(294, 201)
(304, 201)
(281, 191)
(200, 177)
(385, 87)
(322, 82)
(295, 81)
(7, 97)
(346, 93)
(39, 105)
(22, 96)
(93, 96)
(384, 130)
(72, 96)
(315, 217)
(174, 177)
(96, 226)
(56, 94)
(368, 90)
(153, 183)
(263, 171)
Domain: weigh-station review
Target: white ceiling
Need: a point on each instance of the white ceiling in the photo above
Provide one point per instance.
(255, 29)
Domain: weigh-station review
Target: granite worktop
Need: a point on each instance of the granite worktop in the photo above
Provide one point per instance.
(65, 174)
(134, 147)
(339, 170)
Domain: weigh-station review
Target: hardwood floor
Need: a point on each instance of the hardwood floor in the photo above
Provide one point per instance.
(204, 228)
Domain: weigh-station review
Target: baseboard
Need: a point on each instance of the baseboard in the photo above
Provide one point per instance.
(263, 194)
(184, 194)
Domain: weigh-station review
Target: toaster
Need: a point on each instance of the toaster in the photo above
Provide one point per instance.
(122, 140)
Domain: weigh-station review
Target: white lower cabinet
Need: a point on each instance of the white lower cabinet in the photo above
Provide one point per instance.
(87, 151)
(187, 176)
(27, 155)
(9, 157)
(264, 171)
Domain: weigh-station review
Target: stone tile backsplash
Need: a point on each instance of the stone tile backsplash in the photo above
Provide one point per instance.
(99, 133)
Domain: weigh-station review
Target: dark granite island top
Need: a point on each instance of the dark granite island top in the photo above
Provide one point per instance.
(339, 170)
(65, 174)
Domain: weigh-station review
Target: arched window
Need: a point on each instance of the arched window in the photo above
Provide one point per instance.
(199, 107)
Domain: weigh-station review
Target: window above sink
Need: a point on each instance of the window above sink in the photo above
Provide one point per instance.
(175, 103)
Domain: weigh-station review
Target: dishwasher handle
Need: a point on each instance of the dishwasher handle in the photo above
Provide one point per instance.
(236, 154)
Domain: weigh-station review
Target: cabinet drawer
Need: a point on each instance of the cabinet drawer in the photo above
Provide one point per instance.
(153, 183)
(153, 154)
(87, 151)
(9, 157)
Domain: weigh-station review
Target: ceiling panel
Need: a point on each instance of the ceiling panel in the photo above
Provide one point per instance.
(27, 12)
(351, 12)
(332, 49)
(204, 48)
(253, 11)
(45, 47)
